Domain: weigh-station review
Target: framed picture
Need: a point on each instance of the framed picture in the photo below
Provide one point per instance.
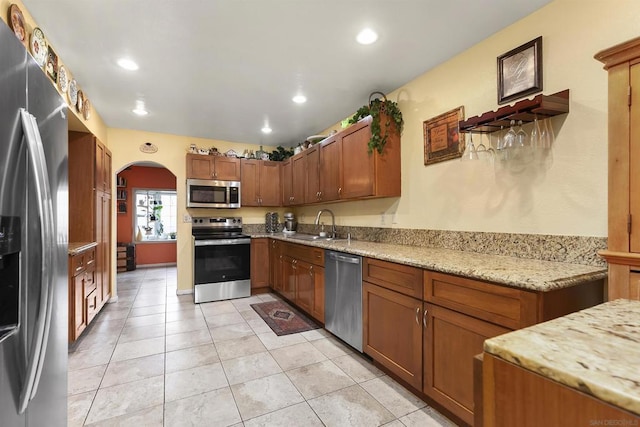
(442, 137)
(520, 71)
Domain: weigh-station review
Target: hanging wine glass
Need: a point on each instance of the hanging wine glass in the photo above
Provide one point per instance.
(521, 136)
(469, 150)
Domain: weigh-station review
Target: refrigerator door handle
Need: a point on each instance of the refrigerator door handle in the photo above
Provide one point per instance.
(38, 164)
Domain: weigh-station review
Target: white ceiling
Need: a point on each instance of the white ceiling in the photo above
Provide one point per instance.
(220, 68)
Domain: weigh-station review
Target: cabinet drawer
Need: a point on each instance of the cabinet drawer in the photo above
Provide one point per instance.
(89, 281)
(91, 305)
(512, 308)
(400, 278)
(82, 260)
(309, 254)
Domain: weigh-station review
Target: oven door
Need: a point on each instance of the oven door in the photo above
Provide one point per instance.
(221, 269)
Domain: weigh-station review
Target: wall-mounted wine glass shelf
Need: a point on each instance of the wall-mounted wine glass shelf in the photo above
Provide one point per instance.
(541, 106)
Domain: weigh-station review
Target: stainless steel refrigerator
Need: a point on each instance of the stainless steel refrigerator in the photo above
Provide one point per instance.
(33, 242)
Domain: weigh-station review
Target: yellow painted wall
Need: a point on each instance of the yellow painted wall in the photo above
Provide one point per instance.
(95, 124)
(570, 198)
(124, 145)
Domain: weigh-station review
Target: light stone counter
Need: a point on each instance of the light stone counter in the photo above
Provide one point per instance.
(76, 248)
(596, 351)
(535, 275)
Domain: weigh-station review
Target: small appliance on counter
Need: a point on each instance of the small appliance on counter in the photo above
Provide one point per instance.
(271, 222)
(290, 223)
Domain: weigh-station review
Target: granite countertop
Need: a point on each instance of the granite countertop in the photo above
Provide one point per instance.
(79, 247)
(595, 351)
(535, 275)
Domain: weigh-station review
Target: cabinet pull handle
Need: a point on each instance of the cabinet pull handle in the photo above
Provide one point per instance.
(418, 316)
(424, 318)
(339, 191)
(311, 271)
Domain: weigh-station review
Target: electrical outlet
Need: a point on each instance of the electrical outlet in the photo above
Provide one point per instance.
(186, 218)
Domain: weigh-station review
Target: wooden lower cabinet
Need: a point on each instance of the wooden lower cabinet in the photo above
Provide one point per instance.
(276, 261)
(451, 340)
(393, 331)
(318, 293)
(259, 263)
(305, 283)
(514, 396)
(83, 292)
(289, 274)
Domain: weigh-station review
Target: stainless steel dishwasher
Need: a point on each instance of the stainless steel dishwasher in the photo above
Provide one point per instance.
(343, 297)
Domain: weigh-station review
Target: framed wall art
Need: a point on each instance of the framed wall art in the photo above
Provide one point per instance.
(442, 137)
(520, 71)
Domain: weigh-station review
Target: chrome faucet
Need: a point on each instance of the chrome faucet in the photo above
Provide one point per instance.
(333, 221)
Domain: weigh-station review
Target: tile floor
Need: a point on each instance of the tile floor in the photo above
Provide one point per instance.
(157, 359)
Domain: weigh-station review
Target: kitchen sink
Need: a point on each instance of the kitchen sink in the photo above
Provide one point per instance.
(311, 237)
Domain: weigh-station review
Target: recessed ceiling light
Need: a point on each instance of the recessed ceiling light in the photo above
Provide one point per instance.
(299, 99)
(127, 64)
(140, 109)
(367, 36)
(266, 129)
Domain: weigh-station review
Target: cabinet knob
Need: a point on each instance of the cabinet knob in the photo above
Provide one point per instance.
(418, 316)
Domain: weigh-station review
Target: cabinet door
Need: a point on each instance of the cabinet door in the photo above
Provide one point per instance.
(226, 168)
(99, 169)
(78, 321)
(392, 325)
(274, 262)
(259, 263)
(287, 187)
(299, 179)
(250, 182)
(107, 171)
(289, 274)
(269, 183)
(200, 166)
(357, 164)
(103, 250)
(318, 293)
(312, 189)
(634, 163)
(330, 170)
(451, 341)
(305, 283)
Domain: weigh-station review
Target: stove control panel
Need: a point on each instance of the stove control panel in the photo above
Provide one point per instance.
(217, 222)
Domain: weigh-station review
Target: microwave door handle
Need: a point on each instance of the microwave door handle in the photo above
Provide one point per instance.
(44, 203)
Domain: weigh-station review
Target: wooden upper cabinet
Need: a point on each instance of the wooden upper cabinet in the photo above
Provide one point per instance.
(213, 167)
(107, 171)
(623, 65)
(287, 186)
(260, 183)
(299, 179)
(312, 189)
(330, 170)
(358, 177)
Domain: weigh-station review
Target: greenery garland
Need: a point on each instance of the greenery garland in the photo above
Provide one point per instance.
(375, 107)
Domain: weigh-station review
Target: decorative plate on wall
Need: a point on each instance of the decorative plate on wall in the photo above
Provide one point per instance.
(63, 79)
(80, 102)
(38, 47)
(16, 20)
(73, 93)
(86, 109)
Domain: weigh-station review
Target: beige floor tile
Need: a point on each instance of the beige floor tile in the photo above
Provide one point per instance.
(187, 325)
(259, 326)
(315, 334)
(357, 367)
(297, 355)
(272, 341)
(250, 314)
(247, 368)
(299, 414)
(264, 395)
(151, 319)
(191, 357)
(230, 349)
(140, 348)
(227, 332)
(88, 359)
(319, 378)
(267, 297)
(148, 417)
(145, 302)
(145, 311)
(185, 313)
(113, 314)
(191, 382)
(136, 333)
(105, 324)
(126, 398)
(178, 305)
(397, 399)
(97, 343)
(217, 307)
(426, 417)
(213, 408)
(84, 380)
(242, 304)
(394, 423)
(353, 404)
(224, 319)
(331, 347)
(78, 407)
(130, 370)
(188, 339)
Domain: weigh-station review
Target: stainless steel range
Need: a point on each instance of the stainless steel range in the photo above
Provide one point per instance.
(221, 261)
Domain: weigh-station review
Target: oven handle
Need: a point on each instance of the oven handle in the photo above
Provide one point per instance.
(222, 242)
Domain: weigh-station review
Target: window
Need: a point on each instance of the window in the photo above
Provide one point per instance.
(156, 215)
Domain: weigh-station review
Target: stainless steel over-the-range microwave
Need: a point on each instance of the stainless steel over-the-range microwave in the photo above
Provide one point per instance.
(208, 193)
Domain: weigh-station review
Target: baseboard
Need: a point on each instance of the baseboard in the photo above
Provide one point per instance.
(184, 291)
(112, 299)
(162, 264)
